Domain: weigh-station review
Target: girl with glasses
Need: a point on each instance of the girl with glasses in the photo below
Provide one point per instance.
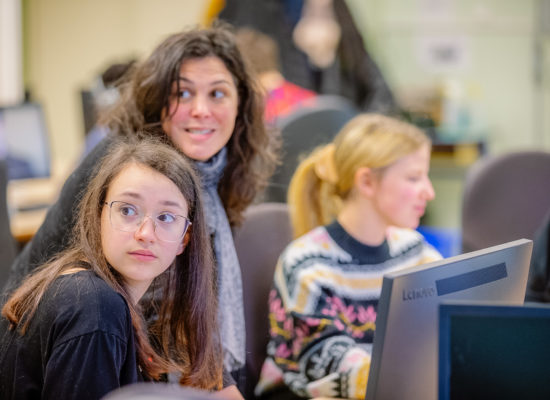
(74, 328)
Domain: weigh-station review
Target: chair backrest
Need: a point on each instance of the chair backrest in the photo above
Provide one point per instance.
(8, 249)
(265, 233)
(316, 123)
(505, 198)
(89, 110)
(155, 391)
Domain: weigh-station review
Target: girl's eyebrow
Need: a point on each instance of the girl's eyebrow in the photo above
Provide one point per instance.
(217, 82)
(133, 195)
(171, 203)
(137, 196)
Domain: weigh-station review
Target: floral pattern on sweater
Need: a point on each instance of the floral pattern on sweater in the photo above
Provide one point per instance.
(322, 309)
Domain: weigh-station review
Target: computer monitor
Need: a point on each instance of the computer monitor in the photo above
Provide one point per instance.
(489, 351)
(404, 360)
(24, 141)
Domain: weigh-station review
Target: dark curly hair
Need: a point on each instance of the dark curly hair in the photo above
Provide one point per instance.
(252, 150)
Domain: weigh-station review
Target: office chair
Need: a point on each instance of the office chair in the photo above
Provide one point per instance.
(505, 198)
(538, 284)
(89, 110)
(260, 240)
(316, 123)
(8, 248)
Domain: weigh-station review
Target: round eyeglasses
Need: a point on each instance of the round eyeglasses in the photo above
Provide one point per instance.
(126, 217)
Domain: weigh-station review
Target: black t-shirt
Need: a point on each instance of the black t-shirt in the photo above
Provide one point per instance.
(79, 344)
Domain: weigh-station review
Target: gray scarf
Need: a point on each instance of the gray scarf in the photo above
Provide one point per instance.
(230, 293)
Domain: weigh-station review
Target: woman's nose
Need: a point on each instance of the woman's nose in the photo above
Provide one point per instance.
(200, 106)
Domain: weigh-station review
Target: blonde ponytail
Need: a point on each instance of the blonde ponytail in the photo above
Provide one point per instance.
(312, 197)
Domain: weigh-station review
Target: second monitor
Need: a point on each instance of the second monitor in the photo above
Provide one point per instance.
(489, 351)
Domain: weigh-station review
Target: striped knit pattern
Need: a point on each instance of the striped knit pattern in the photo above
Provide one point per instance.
(323, 309)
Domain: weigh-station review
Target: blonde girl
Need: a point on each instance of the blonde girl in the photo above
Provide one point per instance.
(354, 205)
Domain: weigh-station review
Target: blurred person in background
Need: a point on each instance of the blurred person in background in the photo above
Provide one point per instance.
(105, 93)
(281, 96)
(321, 48)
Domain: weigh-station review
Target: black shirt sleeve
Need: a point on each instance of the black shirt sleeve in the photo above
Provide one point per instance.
(227, 379)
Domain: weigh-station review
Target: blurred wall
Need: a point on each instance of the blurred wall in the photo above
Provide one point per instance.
(481, 55)
(67, 43)
(488, 62)
(486, 58)
(11, 72)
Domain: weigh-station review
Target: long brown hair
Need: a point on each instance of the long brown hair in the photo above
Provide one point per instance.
(251, 150)
(186, 332)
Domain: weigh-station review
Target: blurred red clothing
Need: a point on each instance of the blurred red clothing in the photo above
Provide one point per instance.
(283, 100)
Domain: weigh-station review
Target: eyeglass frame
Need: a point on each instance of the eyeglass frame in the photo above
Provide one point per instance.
(140, 224)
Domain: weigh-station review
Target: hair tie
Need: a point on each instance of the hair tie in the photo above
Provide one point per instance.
(324, 164)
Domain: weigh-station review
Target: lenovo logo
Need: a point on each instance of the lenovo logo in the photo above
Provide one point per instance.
(415, 294)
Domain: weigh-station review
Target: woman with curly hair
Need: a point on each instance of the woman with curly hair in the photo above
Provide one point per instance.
(196, 87)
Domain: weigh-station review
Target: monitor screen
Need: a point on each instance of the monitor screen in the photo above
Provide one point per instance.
(404, 361)
(24, 141)
(489, 351)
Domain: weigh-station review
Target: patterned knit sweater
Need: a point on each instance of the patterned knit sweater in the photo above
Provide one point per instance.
(323, 309)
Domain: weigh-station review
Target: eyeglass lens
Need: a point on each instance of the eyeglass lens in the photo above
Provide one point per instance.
(169, 227)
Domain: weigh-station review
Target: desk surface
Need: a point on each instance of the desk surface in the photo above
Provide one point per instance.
(25, 224)
(25, 195)
(23, 198)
